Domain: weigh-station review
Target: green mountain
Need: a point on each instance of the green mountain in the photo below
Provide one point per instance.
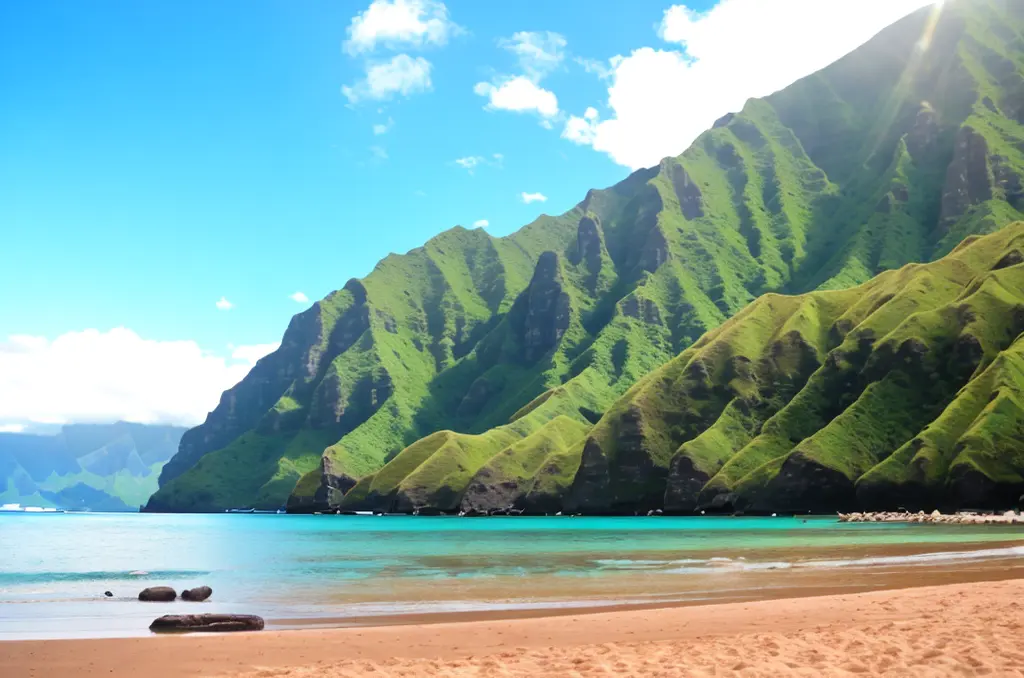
(101, 467)
(477, 372)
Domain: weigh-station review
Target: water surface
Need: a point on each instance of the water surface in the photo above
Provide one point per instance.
(302, 570)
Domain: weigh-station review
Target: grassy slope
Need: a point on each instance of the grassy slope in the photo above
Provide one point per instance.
(915, 400)
(838, 177)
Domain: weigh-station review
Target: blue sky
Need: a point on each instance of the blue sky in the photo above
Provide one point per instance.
(159, 157)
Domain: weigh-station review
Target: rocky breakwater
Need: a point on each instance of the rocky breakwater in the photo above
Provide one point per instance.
(935, 517)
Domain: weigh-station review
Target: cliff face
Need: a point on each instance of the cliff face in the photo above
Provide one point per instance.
(892, 155)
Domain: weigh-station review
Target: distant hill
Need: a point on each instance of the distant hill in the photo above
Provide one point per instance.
(100, 467)
(476, 366)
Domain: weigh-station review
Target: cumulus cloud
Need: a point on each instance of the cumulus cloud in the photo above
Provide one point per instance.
(481, 223)
(538, 54)
(299, 298)
(518, 94)
(399, 24)
(660, 100)
(224, 305)
(94, 376)
(532, 197)
(12, 428)
(402, 74)
(383, 127)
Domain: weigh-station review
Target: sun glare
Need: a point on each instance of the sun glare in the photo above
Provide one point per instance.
(929, 29)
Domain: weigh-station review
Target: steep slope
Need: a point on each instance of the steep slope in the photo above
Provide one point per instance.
(99, 467)
(903, 391)
(889, 156)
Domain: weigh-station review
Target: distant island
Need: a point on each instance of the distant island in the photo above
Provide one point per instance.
(95, 467)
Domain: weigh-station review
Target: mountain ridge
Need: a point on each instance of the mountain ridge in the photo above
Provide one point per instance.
(500, 337)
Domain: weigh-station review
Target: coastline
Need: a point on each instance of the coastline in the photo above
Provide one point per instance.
(947, 628)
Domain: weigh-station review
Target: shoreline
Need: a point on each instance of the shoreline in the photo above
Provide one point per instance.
(910, 627)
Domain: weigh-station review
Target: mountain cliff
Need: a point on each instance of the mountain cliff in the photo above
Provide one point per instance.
(101, 467)
(479, 372)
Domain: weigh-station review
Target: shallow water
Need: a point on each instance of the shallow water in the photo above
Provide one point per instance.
(301, 570)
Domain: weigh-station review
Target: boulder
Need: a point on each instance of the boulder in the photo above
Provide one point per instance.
(158, 594)
(176, 623)
(198, 594)
(108, 594)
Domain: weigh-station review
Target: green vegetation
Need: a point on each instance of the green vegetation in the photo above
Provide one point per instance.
(543, 370)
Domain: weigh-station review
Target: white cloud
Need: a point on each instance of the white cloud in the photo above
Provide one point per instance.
(299, 298)
(224, 305)
(471, 162)
(400, 24)
(539, 53)
(520, 95)
(402, 74)
(379, 153)
(532, 197)
(598, 68)
(661, 100)
(383, 127)
(12, 428)
(481, 223)
(93, 376)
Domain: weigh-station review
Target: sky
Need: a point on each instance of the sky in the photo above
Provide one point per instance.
(178, 179)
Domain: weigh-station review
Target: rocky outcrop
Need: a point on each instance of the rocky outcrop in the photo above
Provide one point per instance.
(540, 315)
(642, 309)
(924, 134)
(197, 595)
(158, 594)
(333, 485)
(683, 485)
(967, 178)
(212, 623)
(935, 517)
(691, 201)
(484, 493)
(655, 251)
(589, 245)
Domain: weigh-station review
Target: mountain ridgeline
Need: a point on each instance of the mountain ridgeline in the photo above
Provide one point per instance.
(588, 362)
(97, 467)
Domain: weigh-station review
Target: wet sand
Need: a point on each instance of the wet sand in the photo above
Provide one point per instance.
(951, 629)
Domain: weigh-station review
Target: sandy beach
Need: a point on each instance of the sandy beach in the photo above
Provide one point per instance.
(955, 629)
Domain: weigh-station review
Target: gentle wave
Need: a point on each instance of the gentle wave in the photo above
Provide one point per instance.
(723, 564)
(20, 578)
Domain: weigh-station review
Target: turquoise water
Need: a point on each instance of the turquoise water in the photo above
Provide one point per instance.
(54, 569)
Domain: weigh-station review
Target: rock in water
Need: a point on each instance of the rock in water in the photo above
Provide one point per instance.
(171, 623)
(158, 594)
(198, 594)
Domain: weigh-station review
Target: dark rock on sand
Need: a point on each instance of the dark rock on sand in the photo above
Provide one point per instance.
(158, 594)
(198, 594)
(170, 623)
(108, 594)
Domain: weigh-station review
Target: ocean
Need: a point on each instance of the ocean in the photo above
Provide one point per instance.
(301, 571)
